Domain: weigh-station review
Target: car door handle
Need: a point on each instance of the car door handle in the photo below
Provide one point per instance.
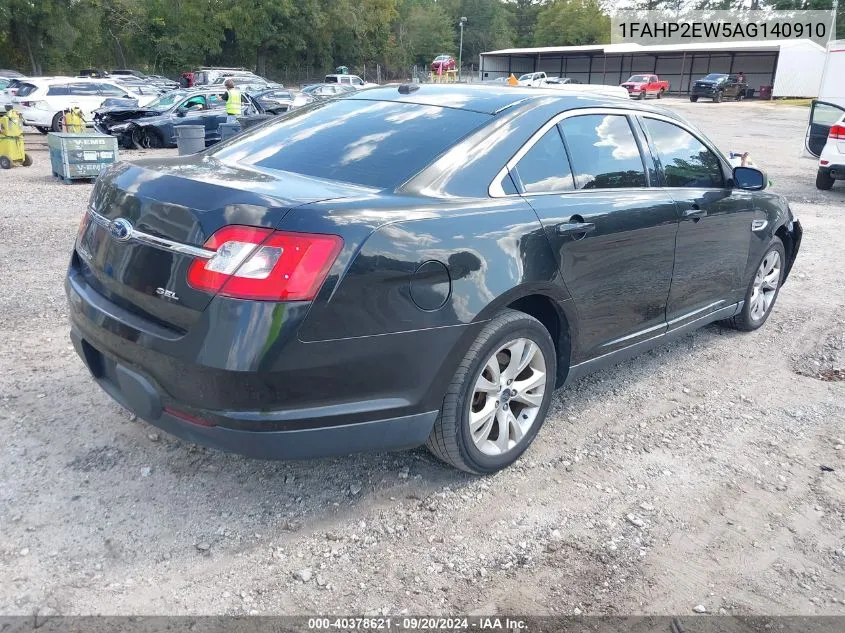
(695, 212)
(570, 228)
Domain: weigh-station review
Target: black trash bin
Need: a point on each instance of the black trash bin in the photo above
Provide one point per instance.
(749, 93)
(252, 120)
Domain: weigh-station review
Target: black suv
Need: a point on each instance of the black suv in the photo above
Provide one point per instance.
(718, 86)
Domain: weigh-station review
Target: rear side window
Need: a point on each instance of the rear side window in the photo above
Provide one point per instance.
(60, 90)
(24, 90)
(545, 168)
(373, 143)
(604, 152)
(85, 89)
(686, 161)
(331, 80)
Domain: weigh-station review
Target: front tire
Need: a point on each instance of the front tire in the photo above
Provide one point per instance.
(42, 129)
(146, 138)
(642, 95)
(660, 93)
(824, 181)
(762, 290)
(717, 98)
(499, 396)
(693, 98)
(5, 162)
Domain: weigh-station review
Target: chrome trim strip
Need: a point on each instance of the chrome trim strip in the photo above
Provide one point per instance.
(155, 241)
(495, 190)
(694, 312)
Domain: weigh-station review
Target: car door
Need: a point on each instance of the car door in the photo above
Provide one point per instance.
(822, 117)
(86, 96)
(192, 111)
(612, 234)
(714, 233)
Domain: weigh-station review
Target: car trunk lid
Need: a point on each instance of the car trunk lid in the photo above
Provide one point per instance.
(135, 249)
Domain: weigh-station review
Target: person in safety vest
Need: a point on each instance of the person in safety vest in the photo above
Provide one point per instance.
(233, 101)
(74, 121)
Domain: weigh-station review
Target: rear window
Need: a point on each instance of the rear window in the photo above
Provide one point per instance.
(331, 79)
(24, 90)
(373, 143)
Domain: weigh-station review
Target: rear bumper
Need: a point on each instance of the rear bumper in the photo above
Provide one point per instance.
(272, 396)
(835, 171)
(136, 393)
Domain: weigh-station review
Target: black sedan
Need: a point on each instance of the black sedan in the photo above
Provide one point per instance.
(154, 125)
(413, 265)
(280, 100)
(328, 91)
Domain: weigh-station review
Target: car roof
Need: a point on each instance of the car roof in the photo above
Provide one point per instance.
(490, 99)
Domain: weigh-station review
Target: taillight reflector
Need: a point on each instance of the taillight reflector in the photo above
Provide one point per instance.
(266, 265)
(837, 132)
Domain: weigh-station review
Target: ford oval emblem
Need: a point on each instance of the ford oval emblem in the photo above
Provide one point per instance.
(121, 230)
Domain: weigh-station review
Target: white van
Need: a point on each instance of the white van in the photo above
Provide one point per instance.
(41, 101)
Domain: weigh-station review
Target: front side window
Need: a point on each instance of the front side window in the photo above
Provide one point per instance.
(112, 91)
(604, 152)
(545, 168)
(194, 103)
(687, 162)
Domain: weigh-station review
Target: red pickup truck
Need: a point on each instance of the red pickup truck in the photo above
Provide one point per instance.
(641, 86)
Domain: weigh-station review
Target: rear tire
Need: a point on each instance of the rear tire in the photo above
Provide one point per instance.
(27, 160)
(42, 129)
(5, 162)
(693, 98)
(763, 289)
(58, 122)
(824, 181)
(493, 386)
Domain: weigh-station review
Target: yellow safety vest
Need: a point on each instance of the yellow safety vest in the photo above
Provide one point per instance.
(233, 103)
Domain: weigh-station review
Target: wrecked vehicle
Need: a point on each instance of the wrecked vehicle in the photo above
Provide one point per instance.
(154, 126)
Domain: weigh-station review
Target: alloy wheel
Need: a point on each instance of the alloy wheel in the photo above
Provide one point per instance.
(765, 285)
(507, 396)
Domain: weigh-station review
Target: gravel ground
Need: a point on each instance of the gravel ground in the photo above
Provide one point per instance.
(707, 474)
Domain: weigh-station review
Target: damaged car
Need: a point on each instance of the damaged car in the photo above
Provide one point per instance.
(154, 126)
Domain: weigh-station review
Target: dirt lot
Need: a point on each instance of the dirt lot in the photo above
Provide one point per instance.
(689, 476)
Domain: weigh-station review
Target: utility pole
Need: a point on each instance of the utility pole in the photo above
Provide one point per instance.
(461, 48)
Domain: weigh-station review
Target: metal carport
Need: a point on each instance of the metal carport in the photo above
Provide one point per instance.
(793, 67)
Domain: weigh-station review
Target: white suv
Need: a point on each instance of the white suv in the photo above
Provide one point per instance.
(348, 80)
(42, 101)
(832, 158)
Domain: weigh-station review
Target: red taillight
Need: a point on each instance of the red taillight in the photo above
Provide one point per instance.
(262, 264)
(837, 132)
(27, 104)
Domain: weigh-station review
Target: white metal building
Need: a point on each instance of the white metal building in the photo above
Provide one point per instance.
(792, 67)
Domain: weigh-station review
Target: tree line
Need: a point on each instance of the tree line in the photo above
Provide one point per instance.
(269, 36)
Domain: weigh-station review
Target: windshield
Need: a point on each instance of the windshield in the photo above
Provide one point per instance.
(441, 58)
(372, 143)
(167, 100)
(639, 78)
(527, 76)
(715, 77)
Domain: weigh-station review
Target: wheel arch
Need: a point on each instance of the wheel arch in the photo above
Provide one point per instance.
(551, 306)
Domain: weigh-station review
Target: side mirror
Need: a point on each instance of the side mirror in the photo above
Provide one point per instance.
(749, 178)
(181, 110)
